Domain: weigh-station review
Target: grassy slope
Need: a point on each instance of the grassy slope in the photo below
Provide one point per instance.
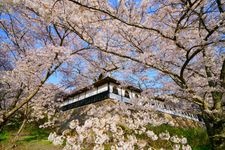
(197, 137)
(30, 138)
(33, 138)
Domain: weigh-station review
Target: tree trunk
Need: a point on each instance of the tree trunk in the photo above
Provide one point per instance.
(19, 106)
(15, 139)
(216, 131)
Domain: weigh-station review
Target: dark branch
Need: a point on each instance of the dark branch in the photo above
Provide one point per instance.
(219, 4)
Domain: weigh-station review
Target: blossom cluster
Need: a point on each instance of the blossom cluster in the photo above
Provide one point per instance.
(117, 126)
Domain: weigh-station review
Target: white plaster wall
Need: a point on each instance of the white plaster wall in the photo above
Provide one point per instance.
(133, 93)
(103, 88)
(118, 88)
(122, 92)
(115, 96)
(91, 92)
(111, 85)
(81, 96)
(76, 98)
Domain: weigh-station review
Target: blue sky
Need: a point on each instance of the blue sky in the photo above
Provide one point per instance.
(55, 78)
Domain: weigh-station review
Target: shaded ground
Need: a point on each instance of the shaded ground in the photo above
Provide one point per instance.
(31, 145)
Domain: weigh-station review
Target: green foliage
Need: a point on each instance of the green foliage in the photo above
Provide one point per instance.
(29, 133)
(4, 136)
(126, 129)
(36, 133)
(31, 136)
(107, 147)
(156, 144)
(197, 137)
(163, 143)
(14, 122)
(202, 147)
(34, 145)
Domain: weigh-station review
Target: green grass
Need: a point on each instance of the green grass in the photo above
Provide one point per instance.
(36, 133)
(35, 138)
(197, 137)
(32, 145)
(4, 136)
(31, 137)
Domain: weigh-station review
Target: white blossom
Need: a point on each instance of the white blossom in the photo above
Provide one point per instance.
(164, 135)
(73, 124)
(52, 136)
(58, 140)
(176, 147)
(183, 140)
(98, 147)
(101, 138)
(186, 147)
(175, 139)
(152, 135)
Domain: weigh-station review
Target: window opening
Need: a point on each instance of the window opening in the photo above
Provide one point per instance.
(115, 90)
(127, 94)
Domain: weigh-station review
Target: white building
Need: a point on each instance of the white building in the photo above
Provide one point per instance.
(100, 90)
(109, 88)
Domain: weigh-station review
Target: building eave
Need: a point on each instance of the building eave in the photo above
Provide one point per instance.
(97, 84)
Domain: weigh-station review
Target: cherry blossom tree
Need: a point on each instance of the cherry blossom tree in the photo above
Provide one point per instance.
(182, 40)
(35, 50)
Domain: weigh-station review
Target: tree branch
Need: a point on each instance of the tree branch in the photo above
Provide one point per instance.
(219, 4)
